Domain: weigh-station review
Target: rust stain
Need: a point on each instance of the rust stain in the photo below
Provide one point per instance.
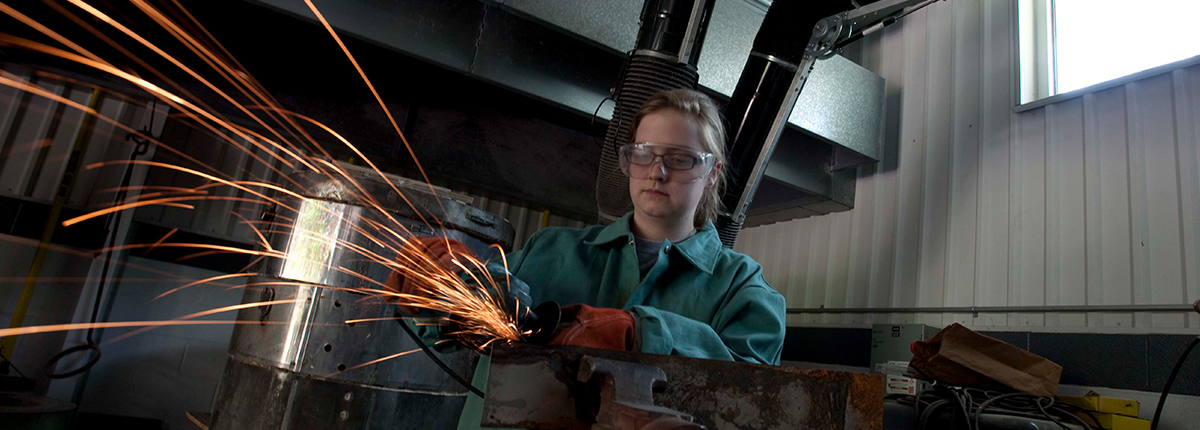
(866, 396)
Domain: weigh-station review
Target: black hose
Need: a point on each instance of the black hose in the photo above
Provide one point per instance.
(12, 365)
(1171, 380)
(438, 361)
(923, 420)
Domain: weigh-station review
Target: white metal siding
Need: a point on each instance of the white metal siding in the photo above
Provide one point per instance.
(1093, 200)
(38, 133)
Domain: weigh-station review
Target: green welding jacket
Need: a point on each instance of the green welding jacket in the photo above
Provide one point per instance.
(700, 299)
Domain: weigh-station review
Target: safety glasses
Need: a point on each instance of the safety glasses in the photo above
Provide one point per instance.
(675, 163)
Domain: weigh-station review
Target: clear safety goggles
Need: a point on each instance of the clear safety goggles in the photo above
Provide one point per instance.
(676, 163)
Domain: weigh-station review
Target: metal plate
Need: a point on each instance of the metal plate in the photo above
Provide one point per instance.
(312, 338)
(324, 236)
(534, 387)
(414, 201)
(256, 397)
(304, 365)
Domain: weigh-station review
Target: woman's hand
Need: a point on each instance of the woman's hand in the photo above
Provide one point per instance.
(440, 251)
(603, 328)
(443, 251)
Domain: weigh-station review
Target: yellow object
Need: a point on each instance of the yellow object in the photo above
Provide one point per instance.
(1116, 422)
(60, 199)
(1109, 405)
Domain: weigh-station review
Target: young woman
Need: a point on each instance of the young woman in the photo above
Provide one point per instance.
(658, 279)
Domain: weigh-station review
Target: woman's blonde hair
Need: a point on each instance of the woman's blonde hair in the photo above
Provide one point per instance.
(700, 110)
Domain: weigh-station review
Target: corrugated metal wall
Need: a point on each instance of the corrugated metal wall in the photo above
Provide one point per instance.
(37, 138)
(37, 135)
(1093, 200)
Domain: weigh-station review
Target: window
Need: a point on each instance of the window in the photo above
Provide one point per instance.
(1068, 45)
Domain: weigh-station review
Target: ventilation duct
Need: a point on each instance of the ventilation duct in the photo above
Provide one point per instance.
(665, 58)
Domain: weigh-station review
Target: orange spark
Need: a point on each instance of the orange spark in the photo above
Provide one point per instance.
(26, 86)
(373, 362)
(261, 238)
(181, 66)
(237, 184)
(382, 105)
(234, 75)
(203, 281)
(231, 249)
(160, 241)
(375, 319)
(201, 314)
(168, 97)
(41, 28)
(118, 324)
(90, 255)
(138, 204)
(252, 263)
(468, 302)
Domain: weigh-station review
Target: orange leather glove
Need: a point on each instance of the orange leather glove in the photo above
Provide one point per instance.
(436, 249)
(603, 328)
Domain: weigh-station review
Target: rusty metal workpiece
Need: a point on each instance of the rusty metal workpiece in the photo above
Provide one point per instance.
(627, 396)
(537, 387)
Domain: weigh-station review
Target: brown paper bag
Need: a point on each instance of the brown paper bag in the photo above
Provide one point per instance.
(958, 356)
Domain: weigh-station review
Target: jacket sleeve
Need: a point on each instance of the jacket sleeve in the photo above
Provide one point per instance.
(426, 326)
(749, 327)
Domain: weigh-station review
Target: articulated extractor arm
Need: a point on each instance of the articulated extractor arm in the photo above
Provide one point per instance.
(771, 82)
(835, 32)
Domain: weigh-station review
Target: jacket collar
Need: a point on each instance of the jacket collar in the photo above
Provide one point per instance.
(701, 250)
